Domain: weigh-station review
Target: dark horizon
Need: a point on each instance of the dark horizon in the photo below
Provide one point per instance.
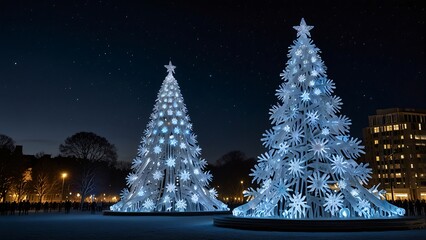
(97, 67)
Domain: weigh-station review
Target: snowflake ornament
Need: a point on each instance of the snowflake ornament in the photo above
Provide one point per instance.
(181, 205)
(213, 192)
(283, 148)
(157, 175)
(298, 205)
(171, 187)
(184, 175)
(305, 96)
(312, 117)
(296, 136)
(333, 202)
(173, 142)
(282, 188)
(318, 183)
(131, 178)
(342, 184)
(194, 198)
(319, 147)
(148, 205)
(338, 165)
(157, 149)
(170, 162)
(296, 168)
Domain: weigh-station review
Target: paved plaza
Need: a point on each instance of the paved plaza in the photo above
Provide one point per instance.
(87, 226)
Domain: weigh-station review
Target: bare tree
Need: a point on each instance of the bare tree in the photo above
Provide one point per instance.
(43, 184)
(87, 183)
(89, 146)
(20, 184)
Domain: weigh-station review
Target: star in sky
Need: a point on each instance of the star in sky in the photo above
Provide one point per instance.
(303, 29)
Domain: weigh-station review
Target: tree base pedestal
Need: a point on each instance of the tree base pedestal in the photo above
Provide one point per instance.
(321, 225)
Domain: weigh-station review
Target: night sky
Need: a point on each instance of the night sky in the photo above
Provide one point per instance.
(98, 65)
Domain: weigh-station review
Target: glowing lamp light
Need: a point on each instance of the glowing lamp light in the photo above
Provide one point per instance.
(344, 213)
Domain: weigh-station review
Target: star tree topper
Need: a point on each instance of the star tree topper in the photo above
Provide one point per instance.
(170, 67)
(303, 29)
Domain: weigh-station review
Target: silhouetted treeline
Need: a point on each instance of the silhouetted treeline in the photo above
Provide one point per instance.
(41, 178)
(231, 176)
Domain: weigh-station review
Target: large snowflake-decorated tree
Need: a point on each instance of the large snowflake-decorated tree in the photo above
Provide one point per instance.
(167, 174)
(309, 170)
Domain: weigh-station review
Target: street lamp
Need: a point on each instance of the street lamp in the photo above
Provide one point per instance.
(63, 175)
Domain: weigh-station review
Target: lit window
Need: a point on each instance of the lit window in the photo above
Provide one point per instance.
(377, 158)
(376, 141)
(402, 136)
(420, 126)
(412, 165)
(395, 127)
(405, 126)
(376, 129)
(411, 136)
(389, 128)
(402, 156)
(378, 175)
(386, 166)
(398, 175)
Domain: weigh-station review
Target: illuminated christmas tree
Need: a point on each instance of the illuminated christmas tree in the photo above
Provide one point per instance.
(309, 170)
(168, 174)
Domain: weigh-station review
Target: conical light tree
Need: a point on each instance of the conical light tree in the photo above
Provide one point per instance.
(167, 175)
(309, 170)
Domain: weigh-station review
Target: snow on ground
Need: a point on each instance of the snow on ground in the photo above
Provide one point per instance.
(86, 226)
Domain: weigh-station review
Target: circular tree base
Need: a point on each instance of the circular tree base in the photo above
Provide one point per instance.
(319, 225)
(113, 213)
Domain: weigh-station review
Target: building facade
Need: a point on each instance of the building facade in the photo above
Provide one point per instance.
(395, 144)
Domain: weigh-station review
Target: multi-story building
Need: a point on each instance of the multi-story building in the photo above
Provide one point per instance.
(395, 146)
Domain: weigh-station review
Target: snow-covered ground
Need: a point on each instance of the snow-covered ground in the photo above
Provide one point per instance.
(86, 226)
